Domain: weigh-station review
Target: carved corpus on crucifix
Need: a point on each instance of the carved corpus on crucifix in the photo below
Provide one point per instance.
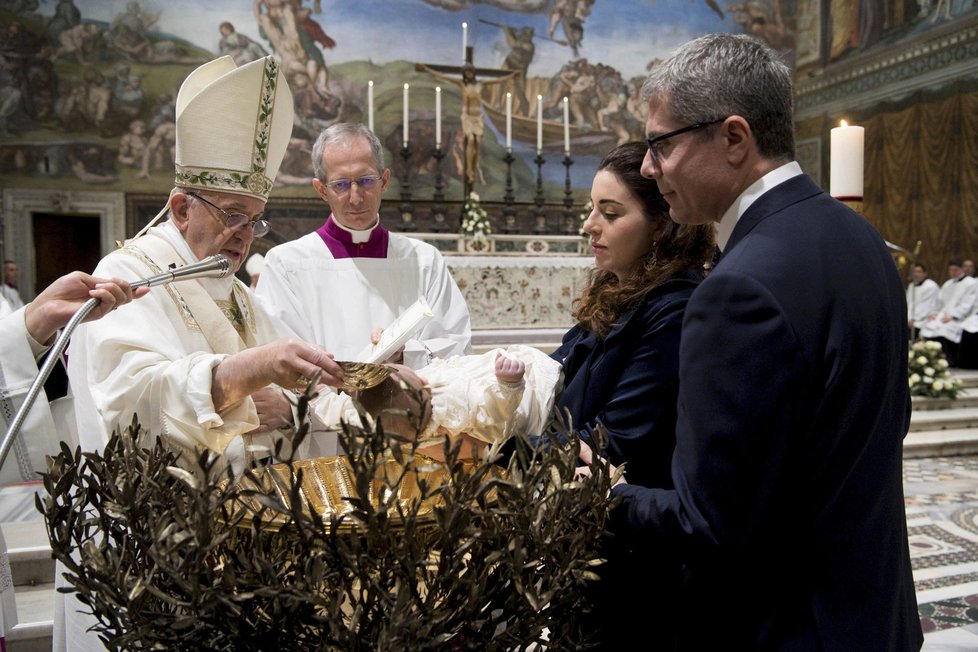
(472, 124)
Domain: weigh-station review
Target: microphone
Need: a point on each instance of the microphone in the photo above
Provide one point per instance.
(217, 266)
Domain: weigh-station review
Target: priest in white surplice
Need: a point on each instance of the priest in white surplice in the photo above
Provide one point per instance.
(923, 298)
(25, 335)
(959, 296)
(8, 289)
(351, 276)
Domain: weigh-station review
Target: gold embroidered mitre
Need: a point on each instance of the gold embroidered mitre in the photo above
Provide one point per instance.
(233, 126)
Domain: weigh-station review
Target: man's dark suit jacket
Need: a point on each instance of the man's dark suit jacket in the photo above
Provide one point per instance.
(793, 404)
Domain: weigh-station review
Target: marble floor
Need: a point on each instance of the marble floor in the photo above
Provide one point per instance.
(942, 523)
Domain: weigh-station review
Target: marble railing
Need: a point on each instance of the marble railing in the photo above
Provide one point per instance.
(506, 245)
(520, 292)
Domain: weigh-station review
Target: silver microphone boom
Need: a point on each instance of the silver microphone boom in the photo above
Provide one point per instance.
(217, 266)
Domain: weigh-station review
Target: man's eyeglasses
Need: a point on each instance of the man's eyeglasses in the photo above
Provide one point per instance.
(654, 142)
(259, 225)
(342, 186)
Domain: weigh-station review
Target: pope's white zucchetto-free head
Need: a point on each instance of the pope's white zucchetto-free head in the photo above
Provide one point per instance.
(233, 126)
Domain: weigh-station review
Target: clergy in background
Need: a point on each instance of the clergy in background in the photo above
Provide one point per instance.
(8, 289)
(923, 298)
(337, 285)
(958, 300)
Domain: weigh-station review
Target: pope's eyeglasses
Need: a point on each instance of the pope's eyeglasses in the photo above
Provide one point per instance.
(655, 141)
(233, 221)
(343, 186)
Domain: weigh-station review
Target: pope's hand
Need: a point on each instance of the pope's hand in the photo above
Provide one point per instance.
(274, 410)
(294, 364)
(288, 363)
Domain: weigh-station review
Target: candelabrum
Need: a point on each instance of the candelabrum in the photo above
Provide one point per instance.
(407, 219)
(541, 216)
(438, 207)
(570, 222)
(509, 210)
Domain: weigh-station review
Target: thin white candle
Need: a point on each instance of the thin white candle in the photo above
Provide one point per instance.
(438, 117)
(509, 122)
(465, 40)
(846, 169)
(539, 123)
(405, 115)
(370, 105)
(566, 127)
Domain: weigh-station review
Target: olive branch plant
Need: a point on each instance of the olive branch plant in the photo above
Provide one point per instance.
(177, 554)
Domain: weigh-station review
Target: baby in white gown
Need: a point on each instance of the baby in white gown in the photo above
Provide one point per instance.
(489, 397)
(494, 395)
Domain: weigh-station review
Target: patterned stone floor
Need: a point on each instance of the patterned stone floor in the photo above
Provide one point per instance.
(942, 521)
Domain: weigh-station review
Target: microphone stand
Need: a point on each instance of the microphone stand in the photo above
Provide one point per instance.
(217, 266)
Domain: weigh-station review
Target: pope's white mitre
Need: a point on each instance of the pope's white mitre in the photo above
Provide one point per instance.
(233, 126)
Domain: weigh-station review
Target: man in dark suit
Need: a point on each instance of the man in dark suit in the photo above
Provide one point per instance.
(788, 504)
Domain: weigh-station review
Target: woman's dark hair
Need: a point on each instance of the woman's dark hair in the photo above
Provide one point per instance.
(678, 250)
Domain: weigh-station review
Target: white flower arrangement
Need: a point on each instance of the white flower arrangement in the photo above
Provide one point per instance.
(588, 207)
(928, 369)
(475, 221)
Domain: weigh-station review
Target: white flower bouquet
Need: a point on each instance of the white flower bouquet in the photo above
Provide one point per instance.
(588, 207)
(475, 221)
(929, 375)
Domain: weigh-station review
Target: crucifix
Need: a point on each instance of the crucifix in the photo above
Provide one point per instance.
(472, 124)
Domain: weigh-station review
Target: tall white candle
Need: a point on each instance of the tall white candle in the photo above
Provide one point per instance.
(539, 123)
(438, 117)
(566, 127)
(846, 168)
(370, 104)
(465, 40)
(509, 122)
(405, 115)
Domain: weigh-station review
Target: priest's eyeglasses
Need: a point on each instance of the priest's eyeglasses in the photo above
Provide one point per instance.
(655, 141)
(259, 225)
(343, 186)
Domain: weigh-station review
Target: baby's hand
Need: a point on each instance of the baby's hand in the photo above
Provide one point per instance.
(509, 370)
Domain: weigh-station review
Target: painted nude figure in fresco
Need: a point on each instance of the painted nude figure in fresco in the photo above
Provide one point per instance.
(294, 35)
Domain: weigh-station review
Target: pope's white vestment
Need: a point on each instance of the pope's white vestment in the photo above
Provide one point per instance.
(155, 357)
(338, 302)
